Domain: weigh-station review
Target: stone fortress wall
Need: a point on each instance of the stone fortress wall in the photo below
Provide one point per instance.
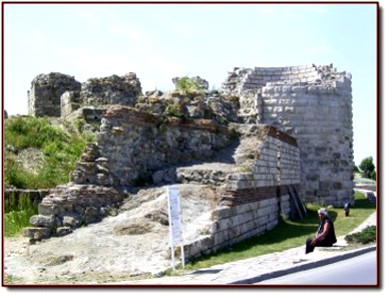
(287, 131)
(252, 199)
(314, 105)
(44, 96)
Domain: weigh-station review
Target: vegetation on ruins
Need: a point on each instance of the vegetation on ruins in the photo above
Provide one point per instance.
(59, 151)
(51, 155)
(175, 110)
(187, 85)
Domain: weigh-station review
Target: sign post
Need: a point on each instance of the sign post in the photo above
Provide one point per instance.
(174, 211)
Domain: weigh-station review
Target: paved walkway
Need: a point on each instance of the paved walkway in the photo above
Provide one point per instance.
(264, 267)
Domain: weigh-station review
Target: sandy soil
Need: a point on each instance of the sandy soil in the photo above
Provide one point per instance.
(130, 245)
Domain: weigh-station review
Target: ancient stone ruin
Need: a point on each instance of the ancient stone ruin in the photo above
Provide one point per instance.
(314, 105)
(272, 139)
(44, 97)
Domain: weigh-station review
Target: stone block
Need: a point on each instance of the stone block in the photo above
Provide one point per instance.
(47, 208)
(71, 219)
(62, 231)
(37, 233)
(91, 215)
(42, 221)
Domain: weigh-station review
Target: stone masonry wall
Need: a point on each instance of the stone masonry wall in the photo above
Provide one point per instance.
(97, 92)
(314, 105)
(70, 206)
(132, 145)
(252, 200)
(44, 97)
(113, 89)
(320, 118)
(56, 94)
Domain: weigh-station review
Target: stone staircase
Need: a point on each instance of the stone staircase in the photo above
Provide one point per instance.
(227, 161)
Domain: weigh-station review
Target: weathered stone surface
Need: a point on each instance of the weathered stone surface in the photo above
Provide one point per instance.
(72, 205)
(37, 233)
(293, 126)
(313, 104)
(62, 231)
(114, 89)
(165, 176)
(44, 97)
(71, 219)
(138, 145)
(43, 221)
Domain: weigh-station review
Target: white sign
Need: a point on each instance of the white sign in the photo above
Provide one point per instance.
(174, 215)
(174, 211)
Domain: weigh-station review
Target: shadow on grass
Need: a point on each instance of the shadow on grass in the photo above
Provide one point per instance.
(287, 234)
(362, 202)
(296, 230)
(286, 229)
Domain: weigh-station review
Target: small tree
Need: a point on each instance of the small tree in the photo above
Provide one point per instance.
(368, 168)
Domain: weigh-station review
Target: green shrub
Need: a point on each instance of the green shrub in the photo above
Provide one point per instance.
(365, 236)
(368, 168)
(187, 85)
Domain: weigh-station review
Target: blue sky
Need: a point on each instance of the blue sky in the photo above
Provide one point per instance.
(159, 42)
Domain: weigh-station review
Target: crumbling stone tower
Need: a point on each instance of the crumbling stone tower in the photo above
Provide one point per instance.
(44, 97)
(314, 105)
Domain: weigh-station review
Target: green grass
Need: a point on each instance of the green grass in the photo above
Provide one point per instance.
(61, 151)
(365, 236)
(188, 85)
(289, 234)
(17, 213)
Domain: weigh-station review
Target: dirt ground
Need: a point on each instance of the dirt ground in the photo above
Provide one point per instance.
(133, 244)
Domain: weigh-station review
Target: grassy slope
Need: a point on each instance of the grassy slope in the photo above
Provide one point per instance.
(60, 151)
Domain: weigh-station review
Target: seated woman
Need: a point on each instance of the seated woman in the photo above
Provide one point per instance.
(325, 235)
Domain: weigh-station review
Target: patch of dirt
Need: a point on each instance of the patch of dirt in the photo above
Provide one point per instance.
(130, 245)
